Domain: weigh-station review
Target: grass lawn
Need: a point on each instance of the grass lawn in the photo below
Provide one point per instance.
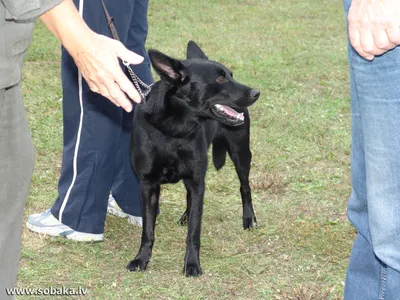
(295, 53)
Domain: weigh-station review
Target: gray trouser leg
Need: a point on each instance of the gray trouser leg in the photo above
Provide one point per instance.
(16, 167)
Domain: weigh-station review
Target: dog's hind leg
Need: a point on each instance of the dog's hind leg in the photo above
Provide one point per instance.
(195, 189)
(149, 194)
(239, 151)
(184, 218)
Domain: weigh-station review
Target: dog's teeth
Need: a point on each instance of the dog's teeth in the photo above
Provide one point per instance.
(219, 107)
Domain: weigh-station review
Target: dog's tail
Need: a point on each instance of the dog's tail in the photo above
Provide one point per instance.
(219, 154)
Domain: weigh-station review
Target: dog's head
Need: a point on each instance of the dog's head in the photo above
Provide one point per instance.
(207, 87)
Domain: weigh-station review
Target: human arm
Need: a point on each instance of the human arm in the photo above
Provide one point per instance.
(95, 55)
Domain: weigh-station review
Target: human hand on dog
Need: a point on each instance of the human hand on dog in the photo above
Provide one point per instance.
(374, 26)
(95, 55)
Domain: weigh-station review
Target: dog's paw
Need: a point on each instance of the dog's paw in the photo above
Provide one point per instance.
(192, 270)
(183, 220)
(136, 265)
(249, 223)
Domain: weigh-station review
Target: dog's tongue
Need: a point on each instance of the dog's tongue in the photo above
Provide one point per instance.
(229, 111)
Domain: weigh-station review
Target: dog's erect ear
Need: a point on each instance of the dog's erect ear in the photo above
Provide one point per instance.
(169, 69)
(194, 51)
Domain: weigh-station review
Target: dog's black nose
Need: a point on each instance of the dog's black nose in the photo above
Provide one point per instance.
(255, 94)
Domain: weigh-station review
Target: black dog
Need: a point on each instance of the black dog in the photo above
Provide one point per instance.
(196, 103)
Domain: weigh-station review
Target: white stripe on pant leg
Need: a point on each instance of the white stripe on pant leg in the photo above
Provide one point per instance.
(78, 139)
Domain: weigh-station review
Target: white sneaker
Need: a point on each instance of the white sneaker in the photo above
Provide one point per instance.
(114, 209)
(46, 223)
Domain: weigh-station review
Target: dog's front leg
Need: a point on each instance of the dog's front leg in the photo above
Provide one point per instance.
(150, 194)
(241, 157)
(195, 211)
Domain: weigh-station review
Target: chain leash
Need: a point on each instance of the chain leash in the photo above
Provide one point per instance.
(138, 83)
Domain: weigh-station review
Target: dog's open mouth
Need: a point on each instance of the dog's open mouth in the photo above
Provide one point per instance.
(227, 115)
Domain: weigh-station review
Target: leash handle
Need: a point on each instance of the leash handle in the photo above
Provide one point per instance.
(110, 21)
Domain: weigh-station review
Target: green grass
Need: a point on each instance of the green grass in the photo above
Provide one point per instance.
(295, 53)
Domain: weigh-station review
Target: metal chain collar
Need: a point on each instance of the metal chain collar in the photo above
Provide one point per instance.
(138, 82)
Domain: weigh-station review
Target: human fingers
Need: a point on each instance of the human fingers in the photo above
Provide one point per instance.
(93, 87)
(117, 74)
(366, 37)
(112, 84)
(96, 85)
(106, 80)
(127, 86)
(393, 33)
(380, 35)
(126, 55)
(104, 90)
(116, 95)
(381, 40)
(354, 37)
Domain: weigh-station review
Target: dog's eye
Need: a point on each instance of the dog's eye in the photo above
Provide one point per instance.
(221, 79)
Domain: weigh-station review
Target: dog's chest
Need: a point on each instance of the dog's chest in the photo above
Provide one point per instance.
(172, 163)
(168, 160)
(160, 158)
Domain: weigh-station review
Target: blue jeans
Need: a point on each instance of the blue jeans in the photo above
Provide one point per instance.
(374, 206)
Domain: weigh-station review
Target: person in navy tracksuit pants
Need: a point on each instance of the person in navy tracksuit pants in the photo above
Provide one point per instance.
(96, 157)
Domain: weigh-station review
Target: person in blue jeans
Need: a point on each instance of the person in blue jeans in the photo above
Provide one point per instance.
(374, 206)
(96, 159)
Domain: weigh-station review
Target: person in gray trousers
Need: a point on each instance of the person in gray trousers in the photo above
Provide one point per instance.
(96, 57)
